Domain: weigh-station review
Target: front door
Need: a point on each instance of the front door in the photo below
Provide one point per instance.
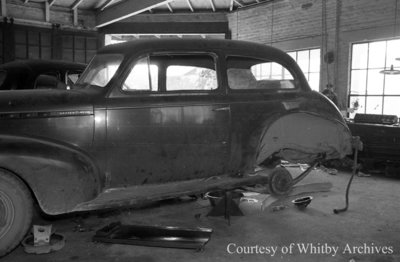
(167, 122)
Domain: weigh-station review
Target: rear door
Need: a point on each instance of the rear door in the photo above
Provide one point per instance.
(259, 89)
(168, 121)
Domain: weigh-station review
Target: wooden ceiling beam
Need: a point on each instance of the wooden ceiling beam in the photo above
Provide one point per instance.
(76, 4)
(47, 11)
(239, 4)
(190, 5)
(3, 8)
(51, 2)
(212, 5)
(106, 3)
(126, 9)
(170, 8)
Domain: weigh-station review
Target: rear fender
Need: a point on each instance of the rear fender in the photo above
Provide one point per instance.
(60, 175)
(302, 137)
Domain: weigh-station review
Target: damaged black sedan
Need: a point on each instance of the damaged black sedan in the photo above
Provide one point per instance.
(155, 119)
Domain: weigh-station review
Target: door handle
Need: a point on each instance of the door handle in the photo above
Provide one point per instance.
(227, 108)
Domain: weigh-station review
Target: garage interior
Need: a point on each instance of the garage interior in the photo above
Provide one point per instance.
(350, 48)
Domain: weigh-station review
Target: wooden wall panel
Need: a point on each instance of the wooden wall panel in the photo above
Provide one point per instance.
(27, 42)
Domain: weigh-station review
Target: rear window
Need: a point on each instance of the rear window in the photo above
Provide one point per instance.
(245, 73)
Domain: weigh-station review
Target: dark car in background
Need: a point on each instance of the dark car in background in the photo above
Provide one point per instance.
(39, 74)
(155, 119)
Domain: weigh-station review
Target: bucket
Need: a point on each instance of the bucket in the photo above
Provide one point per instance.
(302, 202)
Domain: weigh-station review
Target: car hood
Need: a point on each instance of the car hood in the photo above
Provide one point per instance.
(42, 100)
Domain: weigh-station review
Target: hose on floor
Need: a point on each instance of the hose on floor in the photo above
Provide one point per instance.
(357, 146)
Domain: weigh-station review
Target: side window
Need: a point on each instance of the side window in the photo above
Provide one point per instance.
(140, 75)
(50, 80)
(72, 77)
(255, 74)
(191, 73)
(101, 70)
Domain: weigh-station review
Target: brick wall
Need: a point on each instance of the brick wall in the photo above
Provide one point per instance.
(331, 25)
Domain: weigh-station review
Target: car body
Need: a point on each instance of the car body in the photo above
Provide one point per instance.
(39, 74)
(154, 119)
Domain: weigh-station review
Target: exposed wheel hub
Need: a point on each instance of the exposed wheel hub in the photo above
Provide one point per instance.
(281, 182)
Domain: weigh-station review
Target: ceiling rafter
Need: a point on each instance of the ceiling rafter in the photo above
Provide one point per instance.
(3, 8)
(125, 9)
(105, 5)
(51, 2)
(76, 4)
(47, 11)
(190, 5)
(212, 5)
(238, 3)
(231, 6)
(170, 7)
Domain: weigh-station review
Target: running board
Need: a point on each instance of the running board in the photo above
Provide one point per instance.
(145, 194)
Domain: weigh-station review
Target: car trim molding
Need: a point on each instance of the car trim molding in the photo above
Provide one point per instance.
(45, 114)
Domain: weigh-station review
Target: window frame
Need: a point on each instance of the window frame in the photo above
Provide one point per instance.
(162, 84)
(364, 96)
(307, 74)
(295, 80)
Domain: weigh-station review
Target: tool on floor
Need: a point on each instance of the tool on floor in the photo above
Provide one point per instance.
(224, 205)
(154, 236)
(43, 240)
(358, 146)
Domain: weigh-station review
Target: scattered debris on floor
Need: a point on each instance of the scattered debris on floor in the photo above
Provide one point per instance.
(154, 236)
(302, 202)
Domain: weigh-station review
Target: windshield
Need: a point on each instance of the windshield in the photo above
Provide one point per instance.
(100, 70)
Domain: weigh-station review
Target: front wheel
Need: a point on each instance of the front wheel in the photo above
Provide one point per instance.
(15, 211)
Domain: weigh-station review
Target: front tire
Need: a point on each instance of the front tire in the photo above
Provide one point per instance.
(15, 211)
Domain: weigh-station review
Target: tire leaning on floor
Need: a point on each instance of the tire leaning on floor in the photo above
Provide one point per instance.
(15, 211)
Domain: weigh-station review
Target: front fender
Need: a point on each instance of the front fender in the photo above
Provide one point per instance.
(60, 175)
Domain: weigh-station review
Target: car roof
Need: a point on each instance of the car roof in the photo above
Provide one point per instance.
(233, 47)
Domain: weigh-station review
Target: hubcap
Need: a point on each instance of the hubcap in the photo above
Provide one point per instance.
(7, 213)
(282, 184)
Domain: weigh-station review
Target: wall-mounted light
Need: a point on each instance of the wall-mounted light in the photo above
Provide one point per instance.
(390, 71)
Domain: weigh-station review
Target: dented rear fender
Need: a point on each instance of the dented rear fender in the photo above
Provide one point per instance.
(302, 137)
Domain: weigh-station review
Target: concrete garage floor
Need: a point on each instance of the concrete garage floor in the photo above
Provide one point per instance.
(372, 222)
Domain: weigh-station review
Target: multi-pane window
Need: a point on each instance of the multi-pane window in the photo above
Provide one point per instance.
(32, 44)
(309, 61)
(372, 92)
